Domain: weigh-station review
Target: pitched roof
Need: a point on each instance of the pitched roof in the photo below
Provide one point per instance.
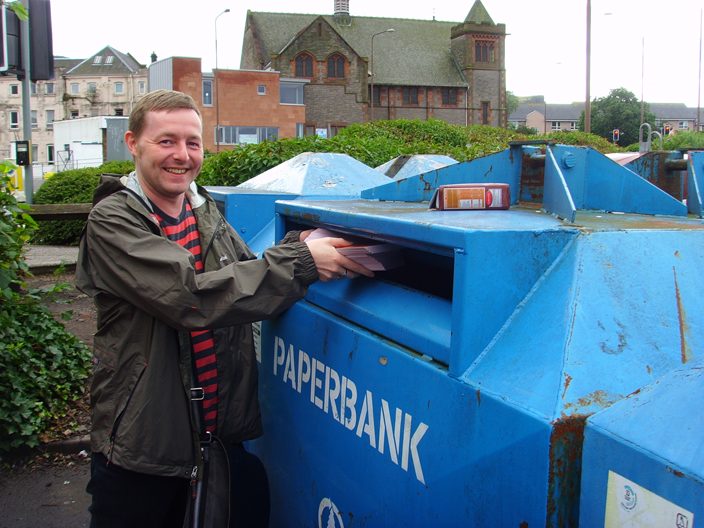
(552, 112)
(478, 14)
(417, 53)
(110, 62)
(673, 111)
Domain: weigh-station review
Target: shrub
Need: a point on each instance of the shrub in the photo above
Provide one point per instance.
(43, 368)
(72, 186)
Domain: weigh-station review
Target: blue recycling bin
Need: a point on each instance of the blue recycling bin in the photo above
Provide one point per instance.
(455, 390)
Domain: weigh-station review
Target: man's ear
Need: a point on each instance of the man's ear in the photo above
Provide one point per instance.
(131, 142)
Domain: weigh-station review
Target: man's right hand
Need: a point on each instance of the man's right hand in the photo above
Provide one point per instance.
(331, 264)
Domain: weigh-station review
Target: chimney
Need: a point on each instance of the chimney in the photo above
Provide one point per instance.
(342, 12)
(153, 57)
(342, 7)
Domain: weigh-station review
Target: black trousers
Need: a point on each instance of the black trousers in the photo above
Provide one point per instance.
(128, 499)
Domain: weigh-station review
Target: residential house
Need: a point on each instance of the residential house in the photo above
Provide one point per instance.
(106, 84)
(534, 112)
(410, 69)
(675, 115)
(252, 105)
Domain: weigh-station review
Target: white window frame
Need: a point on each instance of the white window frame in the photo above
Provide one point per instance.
(15, 90)
(556, 126)
(142, 87)
(121, 91)
(97, 60)
(50, 117)
(684, 125)
(50, 154)
(14, 123)
(261, 89)
(49, 88)
(109, 59)
(75, 89)
(34, 117)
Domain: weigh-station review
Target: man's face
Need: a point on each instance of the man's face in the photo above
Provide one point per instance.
(169, 152)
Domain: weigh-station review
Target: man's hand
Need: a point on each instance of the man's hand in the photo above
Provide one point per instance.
(331, 264)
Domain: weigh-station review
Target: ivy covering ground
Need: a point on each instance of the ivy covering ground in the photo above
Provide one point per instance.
(43, 368)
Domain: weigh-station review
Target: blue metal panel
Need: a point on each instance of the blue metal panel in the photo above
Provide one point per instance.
(611, 187)
(556, 195)
(495, 168)
(654, 442)
(414, 448)
(695, 183)
(249, 212)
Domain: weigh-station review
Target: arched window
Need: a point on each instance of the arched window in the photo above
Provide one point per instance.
(336, 66)
(484, 51)
(304, 65)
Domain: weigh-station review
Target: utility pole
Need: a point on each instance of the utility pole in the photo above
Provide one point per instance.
(26, 106)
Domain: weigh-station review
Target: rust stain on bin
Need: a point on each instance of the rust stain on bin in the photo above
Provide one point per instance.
(565, 460)
(686, 351)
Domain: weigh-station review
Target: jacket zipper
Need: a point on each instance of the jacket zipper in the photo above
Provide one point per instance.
(212, 239)
(113, 432)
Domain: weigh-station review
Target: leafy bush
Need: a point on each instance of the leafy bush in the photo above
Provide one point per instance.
(684, 139)
(376, 143)
(72, 186)
(43, 368)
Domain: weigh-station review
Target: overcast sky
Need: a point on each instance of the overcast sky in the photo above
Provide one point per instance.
(545, 49)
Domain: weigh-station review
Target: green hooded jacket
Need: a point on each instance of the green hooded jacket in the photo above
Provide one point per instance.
(149, 298)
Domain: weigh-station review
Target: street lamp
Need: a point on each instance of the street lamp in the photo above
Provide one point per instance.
(217, 90)
(371, 116)
(588, 102)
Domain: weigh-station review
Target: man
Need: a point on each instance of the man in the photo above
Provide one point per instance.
(176, 291)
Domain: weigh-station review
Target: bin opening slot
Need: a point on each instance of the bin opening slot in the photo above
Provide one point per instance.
(426, 272)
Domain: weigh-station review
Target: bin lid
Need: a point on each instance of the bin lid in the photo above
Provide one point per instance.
(404, 167)
(318, 174)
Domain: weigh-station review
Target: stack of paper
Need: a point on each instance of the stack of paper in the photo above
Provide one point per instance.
(375, 256)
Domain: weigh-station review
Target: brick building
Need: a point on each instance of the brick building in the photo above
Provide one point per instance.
(424, 69)
(108, 83)
(252, 105)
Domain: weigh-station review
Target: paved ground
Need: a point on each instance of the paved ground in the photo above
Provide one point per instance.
(45, 497)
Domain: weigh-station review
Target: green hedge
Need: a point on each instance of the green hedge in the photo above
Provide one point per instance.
(72, 186)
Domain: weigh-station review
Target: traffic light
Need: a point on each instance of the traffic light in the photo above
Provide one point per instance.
(668, 128)
(9, 40)
(616, 135)
(41, 52)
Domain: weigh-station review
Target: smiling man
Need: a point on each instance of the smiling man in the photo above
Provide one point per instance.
(176, 291)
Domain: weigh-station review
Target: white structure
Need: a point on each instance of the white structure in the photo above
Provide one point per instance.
(90, 142)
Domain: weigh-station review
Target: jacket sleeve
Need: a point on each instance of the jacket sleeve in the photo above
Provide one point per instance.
(127, 258)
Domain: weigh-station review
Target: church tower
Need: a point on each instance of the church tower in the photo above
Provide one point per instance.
(479, 46)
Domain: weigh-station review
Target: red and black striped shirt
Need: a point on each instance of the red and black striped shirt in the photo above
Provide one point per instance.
(184, 231)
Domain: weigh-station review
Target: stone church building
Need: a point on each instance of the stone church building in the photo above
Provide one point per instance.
(423, 69)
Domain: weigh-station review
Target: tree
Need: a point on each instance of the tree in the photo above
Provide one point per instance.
(512, 102)
(620, 110)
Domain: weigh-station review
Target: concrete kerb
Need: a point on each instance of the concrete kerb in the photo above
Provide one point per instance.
(46, 259)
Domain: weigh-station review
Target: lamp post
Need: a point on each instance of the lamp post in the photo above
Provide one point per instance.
(217, 90)
(588, 102)
(371, 115)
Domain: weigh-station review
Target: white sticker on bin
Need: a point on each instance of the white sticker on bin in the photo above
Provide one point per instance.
(630, 505)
